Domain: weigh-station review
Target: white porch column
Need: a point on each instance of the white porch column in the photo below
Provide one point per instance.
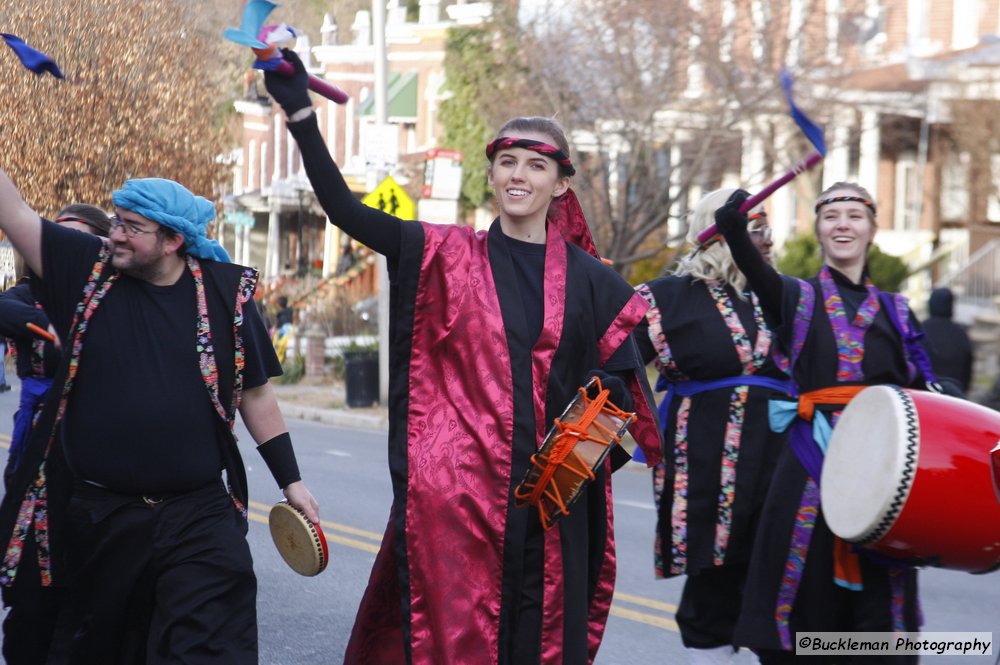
(331, 247)
(272, 263)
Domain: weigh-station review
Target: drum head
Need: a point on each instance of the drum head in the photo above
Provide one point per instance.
(300, 542)
(870, 464)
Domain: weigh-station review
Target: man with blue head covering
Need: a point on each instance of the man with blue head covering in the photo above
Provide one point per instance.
(171, 205)
(158, 326)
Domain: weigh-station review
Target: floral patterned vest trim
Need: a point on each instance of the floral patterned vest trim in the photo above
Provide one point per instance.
(751, 357)
(664, 361)
(850, 335)
(37, 359)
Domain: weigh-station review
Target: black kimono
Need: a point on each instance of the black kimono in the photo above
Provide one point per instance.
(714, 355)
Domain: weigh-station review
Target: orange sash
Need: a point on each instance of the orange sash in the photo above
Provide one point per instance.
(846, 566)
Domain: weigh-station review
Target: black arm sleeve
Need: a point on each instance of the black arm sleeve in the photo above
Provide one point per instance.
(646, 350)
(17, 309)
(374, 228)
(763, 279)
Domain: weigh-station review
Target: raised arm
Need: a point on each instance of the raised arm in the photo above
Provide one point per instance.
(763, 279)
(21, 224)
(374, 228)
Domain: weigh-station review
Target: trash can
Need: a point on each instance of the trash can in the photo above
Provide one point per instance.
(361, 377)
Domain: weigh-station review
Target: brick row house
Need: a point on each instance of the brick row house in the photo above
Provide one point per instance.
(905, 89)
(274, 220)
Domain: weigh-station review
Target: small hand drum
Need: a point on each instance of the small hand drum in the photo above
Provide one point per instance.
(300, 542)
(573, 449)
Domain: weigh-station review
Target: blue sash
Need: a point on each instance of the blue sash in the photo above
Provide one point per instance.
(33, 391)
(694, 386)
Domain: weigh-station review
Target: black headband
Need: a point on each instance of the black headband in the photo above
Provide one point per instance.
(529, 144)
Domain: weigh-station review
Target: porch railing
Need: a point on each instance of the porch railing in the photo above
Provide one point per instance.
(977, 282)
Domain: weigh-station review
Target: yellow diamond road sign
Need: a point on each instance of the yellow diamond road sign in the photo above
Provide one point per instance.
(389, 197)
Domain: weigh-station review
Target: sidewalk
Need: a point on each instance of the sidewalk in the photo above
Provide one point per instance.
(326, 403)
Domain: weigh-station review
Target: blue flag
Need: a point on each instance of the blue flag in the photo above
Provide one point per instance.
(34, 60)
(808, 127)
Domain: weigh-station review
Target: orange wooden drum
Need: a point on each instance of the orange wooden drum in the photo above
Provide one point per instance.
(907, 474)
(573, 449)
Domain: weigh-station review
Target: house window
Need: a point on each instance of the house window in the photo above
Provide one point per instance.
(263, 165)
(955, 187)
(252, 165)
(833, 13)
(993, 202)
(728, 30)
(760, 16)
(918, 34)
(905, 201)
(695, 68)
(965, 17)
(796, 22)
(870, 29)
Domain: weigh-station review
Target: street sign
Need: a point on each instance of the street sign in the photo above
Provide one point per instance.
(389, 197)
(380, 146)
(239, 218)
(442, 174)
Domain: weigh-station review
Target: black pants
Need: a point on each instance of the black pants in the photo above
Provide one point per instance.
(31, 611)
(710, 605)
(170, 582)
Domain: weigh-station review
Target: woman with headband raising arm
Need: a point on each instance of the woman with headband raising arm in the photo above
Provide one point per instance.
(492, 333)
(839, 334)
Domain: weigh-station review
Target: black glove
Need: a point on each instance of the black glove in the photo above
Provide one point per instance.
(728, 217)
(291, 92)
(620, 395)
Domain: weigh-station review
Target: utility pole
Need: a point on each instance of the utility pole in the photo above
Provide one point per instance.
(381, 118)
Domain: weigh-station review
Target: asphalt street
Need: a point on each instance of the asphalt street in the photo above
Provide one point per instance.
(307, 621)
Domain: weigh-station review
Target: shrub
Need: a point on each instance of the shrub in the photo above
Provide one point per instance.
(800, 257)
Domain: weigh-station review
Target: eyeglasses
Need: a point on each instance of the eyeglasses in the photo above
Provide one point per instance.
(129, 228)
(763, 232)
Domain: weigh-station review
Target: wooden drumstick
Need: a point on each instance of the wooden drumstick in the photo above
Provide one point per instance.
(42, 332)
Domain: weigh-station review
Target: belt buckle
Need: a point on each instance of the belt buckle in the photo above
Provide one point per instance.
(151, 500)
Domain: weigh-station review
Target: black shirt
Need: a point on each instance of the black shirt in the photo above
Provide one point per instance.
(529, 266)
(139, 418)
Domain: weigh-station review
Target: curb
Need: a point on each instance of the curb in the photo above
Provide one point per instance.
(338, 417)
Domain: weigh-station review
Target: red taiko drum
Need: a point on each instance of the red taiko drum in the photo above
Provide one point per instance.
(995, 463)
(907, 474)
